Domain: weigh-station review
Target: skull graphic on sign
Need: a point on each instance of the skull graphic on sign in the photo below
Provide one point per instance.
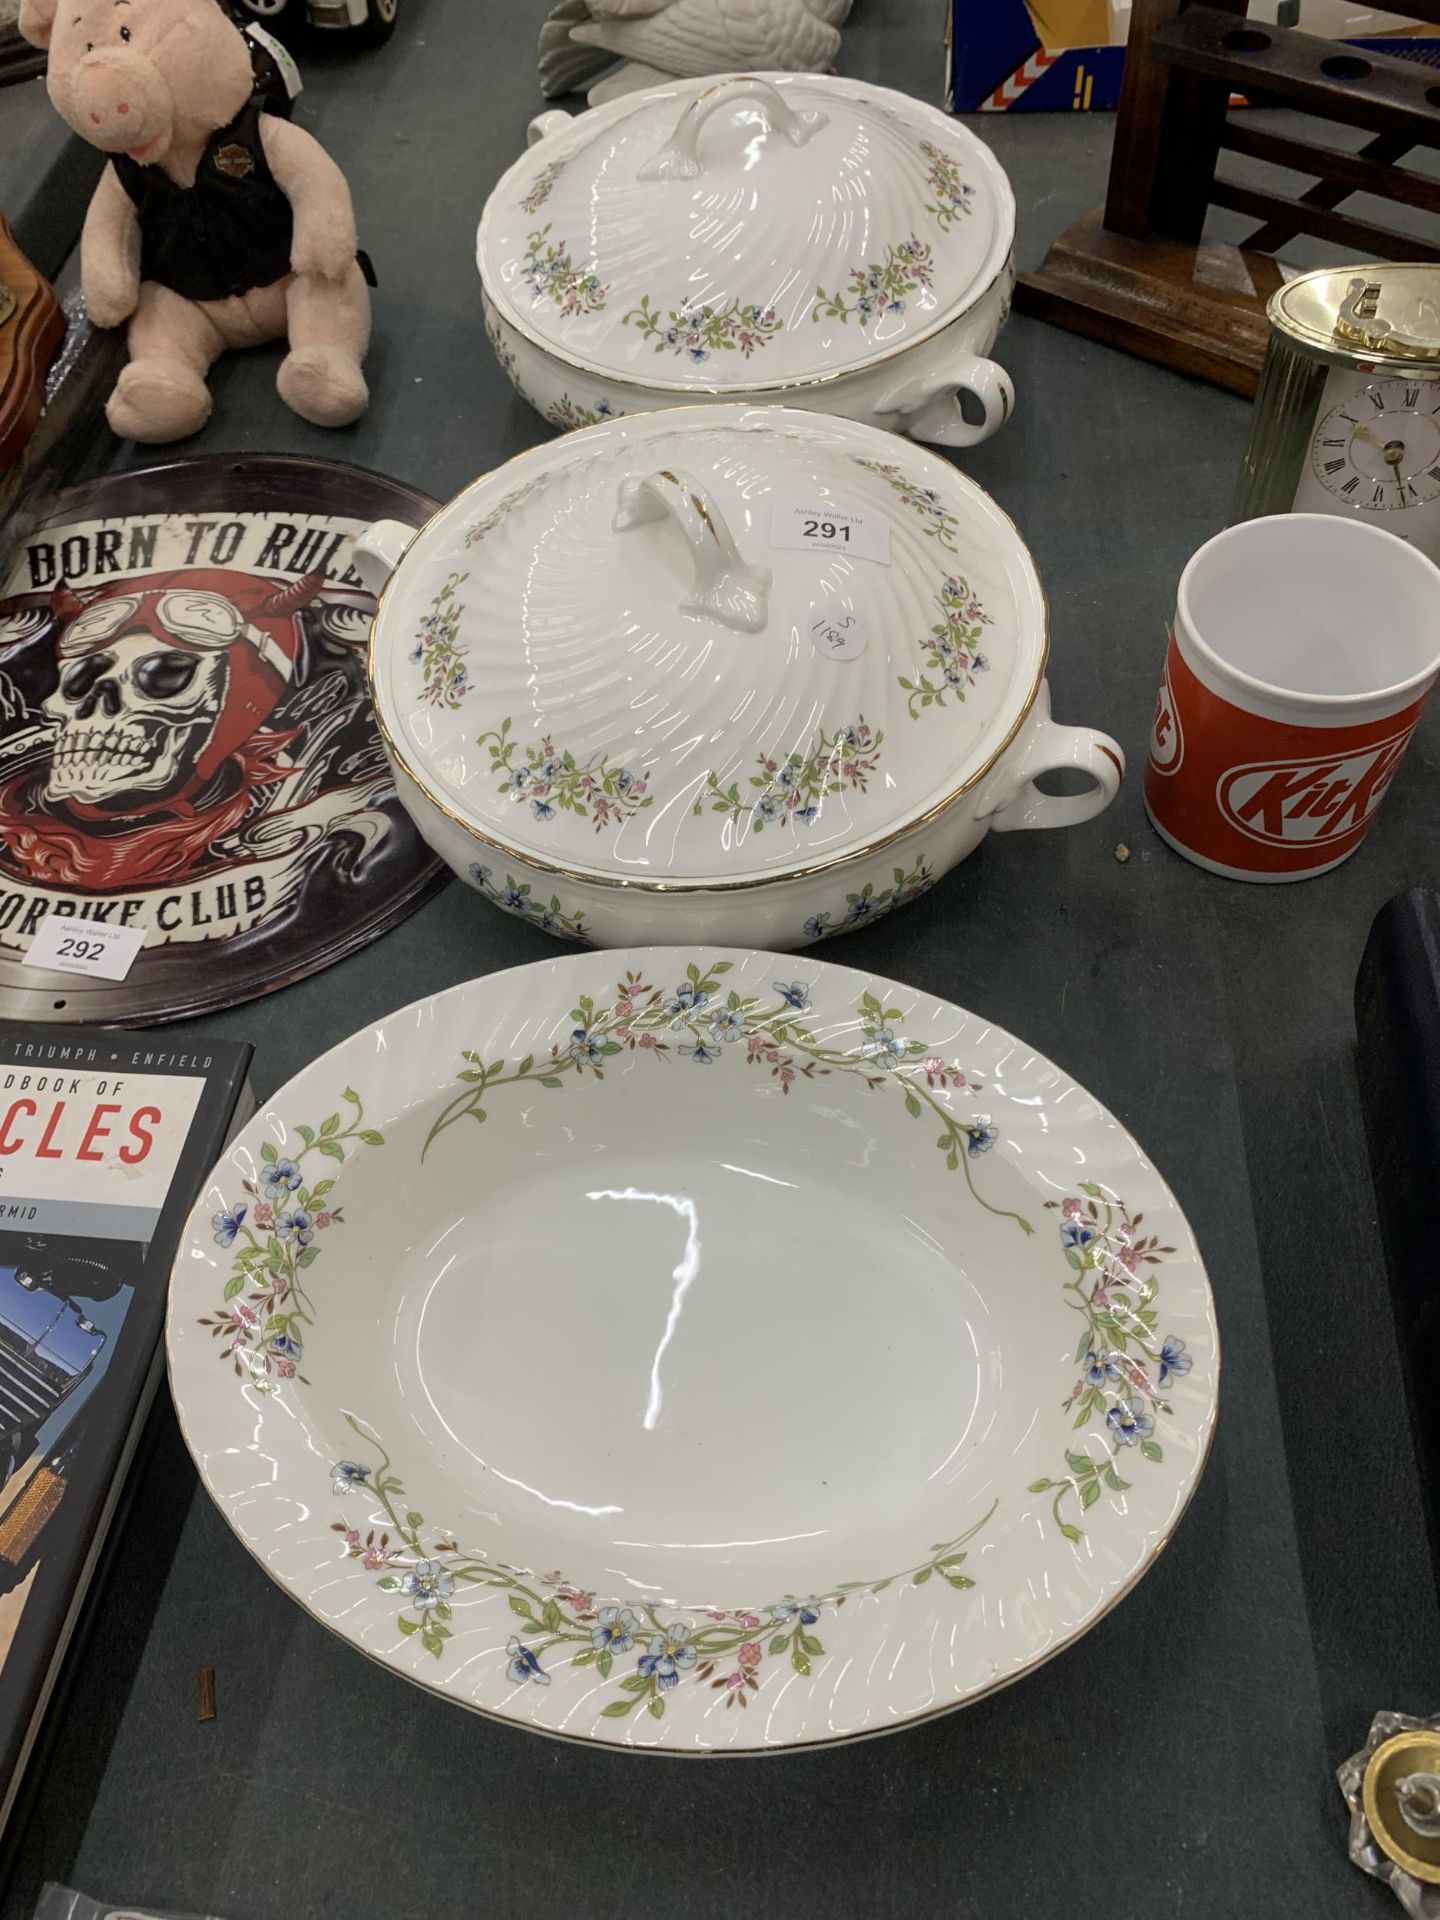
(162, 681)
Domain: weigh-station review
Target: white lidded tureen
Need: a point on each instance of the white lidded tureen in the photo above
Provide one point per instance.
(728, 673)
(715, 1499)
(766, 237)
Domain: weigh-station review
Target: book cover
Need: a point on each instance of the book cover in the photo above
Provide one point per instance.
(105, 1139)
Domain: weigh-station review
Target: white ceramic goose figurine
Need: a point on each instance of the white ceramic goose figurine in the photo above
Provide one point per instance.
(656, 40)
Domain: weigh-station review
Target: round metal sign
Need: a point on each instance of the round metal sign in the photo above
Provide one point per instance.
(187, 743)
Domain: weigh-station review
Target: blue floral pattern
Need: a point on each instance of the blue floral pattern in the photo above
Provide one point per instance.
(791, 788)
(728, 1024)
(524, 1664)
(542, 186)
(647, 1654)
(885, 1051)
(670, 1654)
(514, 896)
(795, 1610)
(868, 904)
(570, 415)
(1101, 1366)
(1175, 1362)
(714, 1025)
(954, 198)
(698, 331)
(227, 1225)
(1129, 1422)
(879, 287)
(951, 649)
(298, 1226)
(615, 1630)
(688, 999)
(551, 274)
(1124, 1363)
(278, 1179)
(552, 780)
(439, 651)
(266, 1312)
(428, 1583)
(585, 1048)
(937, 522)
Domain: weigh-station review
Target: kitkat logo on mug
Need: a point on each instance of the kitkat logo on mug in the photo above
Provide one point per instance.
(1302, 653)
(1167, 736)
(1328, 799)
(1253, 797)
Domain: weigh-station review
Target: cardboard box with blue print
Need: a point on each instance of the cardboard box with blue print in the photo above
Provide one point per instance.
(1038, 56)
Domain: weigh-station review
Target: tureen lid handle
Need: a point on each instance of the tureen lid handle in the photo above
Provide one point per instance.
(725, 587)
(680, 160)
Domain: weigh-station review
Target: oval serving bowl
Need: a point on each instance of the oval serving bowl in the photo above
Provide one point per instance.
(623, 698)
(660, 1350)
(762, 237)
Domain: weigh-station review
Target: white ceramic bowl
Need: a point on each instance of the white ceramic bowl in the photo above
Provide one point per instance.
(630, 694)
(694, 1351)
(779, 237)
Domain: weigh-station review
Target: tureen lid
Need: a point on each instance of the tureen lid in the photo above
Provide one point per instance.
(708, 646)
(738, 235)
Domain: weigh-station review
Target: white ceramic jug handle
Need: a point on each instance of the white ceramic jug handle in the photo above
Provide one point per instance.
(1012, 799)
(378, 552)
(939, 419)
(544, 124)
(725, 587)
(680, 160)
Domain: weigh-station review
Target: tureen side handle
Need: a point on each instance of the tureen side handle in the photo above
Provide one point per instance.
(544, 124)
(680, 158)
(937, 417)
(1012, 800)
(378, 552)
(725, 587)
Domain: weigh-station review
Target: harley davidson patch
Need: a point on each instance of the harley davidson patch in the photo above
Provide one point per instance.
(235, 161)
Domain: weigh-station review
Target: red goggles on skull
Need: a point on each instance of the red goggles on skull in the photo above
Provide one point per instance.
(202, 622)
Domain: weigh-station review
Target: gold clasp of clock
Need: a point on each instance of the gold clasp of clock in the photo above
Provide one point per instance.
(1359, 325)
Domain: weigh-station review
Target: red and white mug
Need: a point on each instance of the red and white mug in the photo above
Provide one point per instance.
(1302, 654)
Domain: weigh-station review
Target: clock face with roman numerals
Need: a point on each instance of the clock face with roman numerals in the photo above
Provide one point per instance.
(1379, 449)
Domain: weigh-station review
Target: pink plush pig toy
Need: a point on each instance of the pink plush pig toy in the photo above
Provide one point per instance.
(215, 225)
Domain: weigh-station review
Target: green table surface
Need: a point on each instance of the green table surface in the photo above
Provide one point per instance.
(1180, 1759)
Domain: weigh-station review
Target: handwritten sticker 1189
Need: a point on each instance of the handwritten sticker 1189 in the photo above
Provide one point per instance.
(838, 635)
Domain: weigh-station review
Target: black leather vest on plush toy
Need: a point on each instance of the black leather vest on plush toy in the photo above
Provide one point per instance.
(231, 231)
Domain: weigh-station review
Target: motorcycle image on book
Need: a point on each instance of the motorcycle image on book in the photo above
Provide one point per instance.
(365, 23)
(48, 1344)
